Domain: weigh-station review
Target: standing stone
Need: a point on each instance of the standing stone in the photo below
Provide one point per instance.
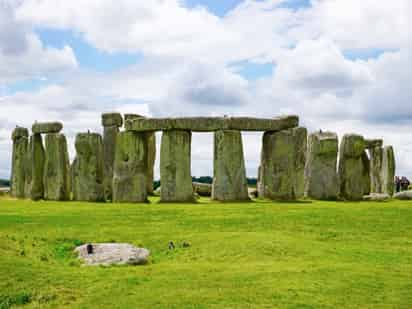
(376, 156)
(388, 170)
(175, 174)
(57, 168)
(229, 182)
(151, 151)
(87, 168)
(28, 169)
(366, 173)
(38, 158)
(321, 178)
(19, 155)
(351, 167)
(111, 123)
(130, 168)
(283, 164)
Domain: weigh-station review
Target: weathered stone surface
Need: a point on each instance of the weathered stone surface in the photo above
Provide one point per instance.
(109, 148)
(283, 164)
(56, 168)
(113, 254)
(46, 127)
(321, 178)
(19, 156)
(351, 167)
(229, 180)
(388, 170)
(112, 119)
(151, 151)
(376, 197)
(175, 172)
(28, 169)
(404, 195)
(203, 189)
(87, 168)
(130, 168)
(366, 173)
(376, 156)
(38, 159)
(204, 124)
(372, 143)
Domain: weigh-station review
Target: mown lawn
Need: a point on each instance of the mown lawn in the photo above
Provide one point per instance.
(249, 255)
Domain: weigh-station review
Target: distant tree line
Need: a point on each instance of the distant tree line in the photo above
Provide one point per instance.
(4, 183)
(207, 179)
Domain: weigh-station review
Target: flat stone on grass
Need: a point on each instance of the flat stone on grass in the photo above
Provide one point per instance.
(112, 254)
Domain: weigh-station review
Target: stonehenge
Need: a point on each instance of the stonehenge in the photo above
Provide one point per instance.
(321, 178)
(118, 165)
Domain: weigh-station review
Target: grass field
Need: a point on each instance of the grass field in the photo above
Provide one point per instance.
(249, 255)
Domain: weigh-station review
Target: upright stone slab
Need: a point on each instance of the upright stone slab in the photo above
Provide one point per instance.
(229, 181)
(351, 167)
(321, 178)
(130, 168)
(376, 156)
(28, 169)
(56, 168)
(19, 155)
(38, 158)
(175, 174)
(151, 151)
(283, 164)
(111, 123)
(366, 173)
(388, 170)
(87, 168)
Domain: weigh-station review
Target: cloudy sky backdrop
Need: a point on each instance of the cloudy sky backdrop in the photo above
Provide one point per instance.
(341, 65)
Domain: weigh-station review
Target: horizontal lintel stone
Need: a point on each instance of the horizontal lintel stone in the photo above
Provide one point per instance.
(205, 124)
(372, 143)
(46, 127)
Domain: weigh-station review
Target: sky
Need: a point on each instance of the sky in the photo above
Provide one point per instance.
(341, 65)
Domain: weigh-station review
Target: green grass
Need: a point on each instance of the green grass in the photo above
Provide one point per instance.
(247, 255)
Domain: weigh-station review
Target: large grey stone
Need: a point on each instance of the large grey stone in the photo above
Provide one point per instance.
(56, 168)
(283, 164)
(372, 143)
(175, 174)
(38, 159)
(46, 127)
(202, 189)
(87, 168)
(321, 178)
(366, 173)
(113, 254)
(204, 124)
(229, 181)
(112, 119)
(130, 168)
(28, 165)
(351, 167)
(19, 157)
(376, 156)
(404, 195)
(376, 197)
(388, 170)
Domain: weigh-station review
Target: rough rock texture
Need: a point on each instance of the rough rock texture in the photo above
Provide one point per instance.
(113, 254)
(87, 168)
(28, 169)
(283, 164)
(38, 159)
(376, 197)
(112, 119)
(388, 170)
(376, 156)
(229, 174)
(351, 167)
(111, 122)
(19, 156)
(321, 178)
(202, 189)
(151, 154)
(130, 168)
(46, 127)
(204, 124)
(175, 174)
(404, 195)
(366, 174)
(372, 143)
(56, 168)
